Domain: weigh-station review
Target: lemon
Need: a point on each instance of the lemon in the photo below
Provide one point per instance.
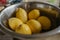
(23, 29)
(34, 14)
(34, 25)
(45, 22)
(21, 14)
(14, 22)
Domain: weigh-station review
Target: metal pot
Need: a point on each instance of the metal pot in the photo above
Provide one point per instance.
(7, 12)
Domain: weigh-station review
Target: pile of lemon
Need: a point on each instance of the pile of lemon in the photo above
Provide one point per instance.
(29, 23)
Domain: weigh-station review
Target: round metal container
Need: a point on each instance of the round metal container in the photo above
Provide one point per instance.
(7, 12)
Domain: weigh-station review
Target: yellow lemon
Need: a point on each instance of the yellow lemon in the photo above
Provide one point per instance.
(34, 25)
(14, 22)
(34, 14)
(23, 29)
(45, 22)
(21, 14)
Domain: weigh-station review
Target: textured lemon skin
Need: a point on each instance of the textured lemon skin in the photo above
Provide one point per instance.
(23, 29)
(34, 14)
(45, 22)
(21, 14)
(14, 22)
(34, 25)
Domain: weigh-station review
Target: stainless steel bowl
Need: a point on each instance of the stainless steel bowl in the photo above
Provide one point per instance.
(6, 13)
